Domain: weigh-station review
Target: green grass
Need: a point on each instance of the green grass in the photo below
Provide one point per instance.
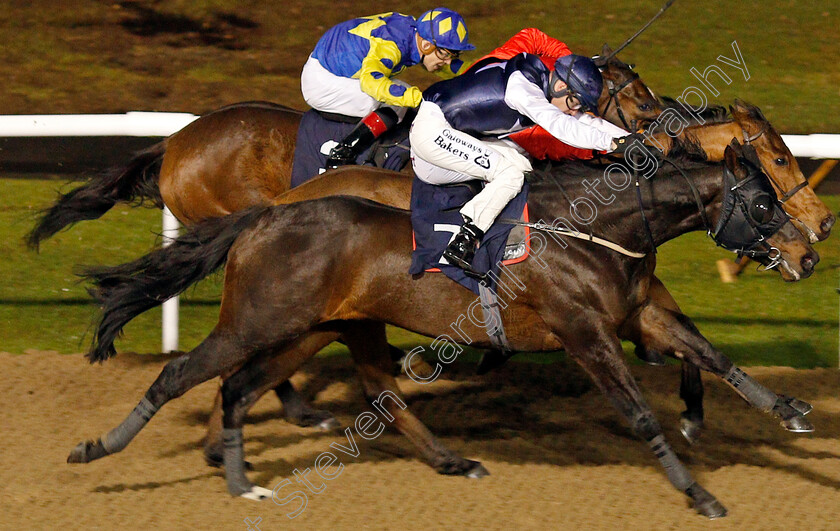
(759, 320)
(82, 59)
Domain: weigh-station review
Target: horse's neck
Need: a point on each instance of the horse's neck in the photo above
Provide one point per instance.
(711, 138)
(670, 205)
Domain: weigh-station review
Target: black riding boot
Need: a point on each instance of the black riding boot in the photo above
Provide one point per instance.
(461, 250)
(361, 137)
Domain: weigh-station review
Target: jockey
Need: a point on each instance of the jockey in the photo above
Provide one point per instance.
(350, 70)
(457, 134)
(535, 140)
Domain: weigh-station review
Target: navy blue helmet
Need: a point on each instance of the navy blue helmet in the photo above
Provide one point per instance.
(583, 79)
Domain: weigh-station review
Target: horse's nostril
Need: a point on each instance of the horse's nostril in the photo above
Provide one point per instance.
(808, 262)
(827, 223)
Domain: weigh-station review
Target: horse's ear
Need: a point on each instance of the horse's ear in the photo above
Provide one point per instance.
(730, 158)
(606, 50)
(743, 111)
(600, 61)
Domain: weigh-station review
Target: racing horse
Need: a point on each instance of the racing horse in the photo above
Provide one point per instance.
(281, 290)
(241, 156)
(394, 189)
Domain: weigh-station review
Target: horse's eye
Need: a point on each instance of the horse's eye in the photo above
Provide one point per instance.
(781, 161)
(644, 107)
(761, 209)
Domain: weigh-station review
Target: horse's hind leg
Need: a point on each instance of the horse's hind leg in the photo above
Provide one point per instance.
(675, 333)
(370, 350)
(601, 356)
(246, 386)
(300, 412)
(313, 342)
(216, 354)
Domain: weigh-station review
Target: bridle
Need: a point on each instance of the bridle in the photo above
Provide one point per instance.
(614, 91)
(736, 229)
(790, 193)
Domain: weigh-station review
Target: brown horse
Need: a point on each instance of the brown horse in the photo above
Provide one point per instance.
(282, 290)
(394, 189)
(241, 156)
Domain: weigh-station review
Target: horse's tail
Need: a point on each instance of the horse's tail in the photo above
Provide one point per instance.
(132, 183)
(125, 291)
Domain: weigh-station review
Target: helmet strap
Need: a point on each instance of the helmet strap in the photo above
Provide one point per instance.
(425, 46)
(552, 81)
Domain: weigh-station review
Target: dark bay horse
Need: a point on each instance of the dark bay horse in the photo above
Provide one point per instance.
(241, 156)
(282, 290)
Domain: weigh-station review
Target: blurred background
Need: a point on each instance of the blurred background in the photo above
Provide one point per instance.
(195, 56)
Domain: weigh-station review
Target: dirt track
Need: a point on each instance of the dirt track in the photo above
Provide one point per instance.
(558, 454)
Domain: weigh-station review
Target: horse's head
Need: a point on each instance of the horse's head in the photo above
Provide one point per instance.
(780, 165)
(625, 96)
(751, 218)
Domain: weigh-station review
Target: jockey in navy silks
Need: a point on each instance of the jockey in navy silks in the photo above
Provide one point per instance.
(349, 72)
(458, 134)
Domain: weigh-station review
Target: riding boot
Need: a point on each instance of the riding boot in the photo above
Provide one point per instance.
(461, 250)
(361, 137)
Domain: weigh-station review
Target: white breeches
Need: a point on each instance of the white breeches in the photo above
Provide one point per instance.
(441, 154)
(327, 92)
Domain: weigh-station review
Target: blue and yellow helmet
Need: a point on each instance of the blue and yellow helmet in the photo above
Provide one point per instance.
(445, 29)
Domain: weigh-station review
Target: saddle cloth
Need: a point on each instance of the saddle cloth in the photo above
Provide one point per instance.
(435, 218)
(319, 133)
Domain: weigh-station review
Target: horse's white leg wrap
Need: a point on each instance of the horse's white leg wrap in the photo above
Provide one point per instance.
(753, 392)
(118, 438)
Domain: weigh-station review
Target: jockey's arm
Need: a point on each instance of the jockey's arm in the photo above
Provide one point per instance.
(602, 125)
(375, 76)
(526, 97)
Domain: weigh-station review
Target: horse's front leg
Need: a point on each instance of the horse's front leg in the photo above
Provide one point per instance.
(599, 352)
(691, 383)
(675, 334)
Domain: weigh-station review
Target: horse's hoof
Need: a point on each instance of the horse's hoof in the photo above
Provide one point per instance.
(651, 357)
(329, 424)
(257, 494)
(87, 451)
(798, 425)
(800, 405)
(456, 466)
(691, 429)
(478, 471)
(80, 453)
(705, 503)
(316, 418)
(711, 509)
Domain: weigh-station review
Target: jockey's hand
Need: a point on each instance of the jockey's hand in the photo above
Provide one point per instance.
(621, 145)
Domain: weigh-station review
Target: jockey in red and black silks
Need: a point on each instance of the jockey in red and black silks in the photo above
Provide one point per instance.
(461, 129)
(538, 142)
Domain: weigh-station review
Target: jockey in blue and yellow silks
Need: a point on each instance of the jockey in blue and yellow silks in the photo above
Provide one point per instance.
(351, 69)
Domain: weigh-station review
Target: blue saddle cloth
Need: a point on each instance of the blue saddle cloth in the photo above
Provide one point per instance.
(435, 218)
(316, 136)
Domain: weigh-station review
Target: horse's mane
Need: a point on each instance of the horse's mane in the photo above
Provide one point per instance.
(688, 156)
(711, 114)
